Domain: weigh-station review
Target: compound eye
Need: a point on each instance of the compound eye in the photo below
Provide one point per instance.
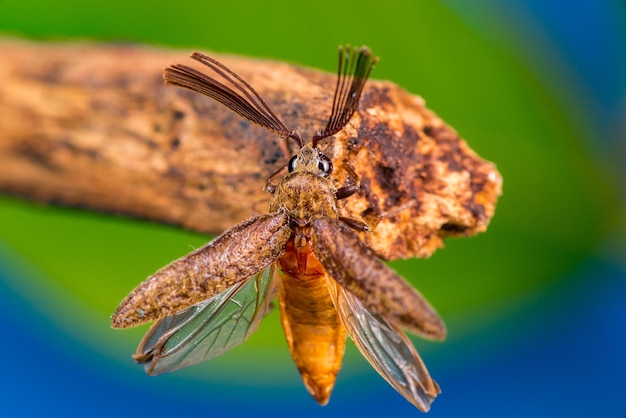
(324, 164)
(293, 162)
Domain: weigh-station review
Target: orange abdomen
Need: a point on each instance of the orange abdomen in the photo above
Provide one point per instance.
(314, 334)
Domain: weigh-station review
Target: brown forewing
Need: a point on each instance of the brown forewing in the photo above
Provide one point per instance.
(355, 267)
(237, 254)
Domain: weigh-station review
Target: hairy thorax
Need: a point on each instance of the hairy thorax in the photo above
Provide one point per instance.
(304, 196)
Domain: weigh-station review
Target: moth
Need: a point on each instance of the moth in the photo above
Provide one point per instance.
(328, 282)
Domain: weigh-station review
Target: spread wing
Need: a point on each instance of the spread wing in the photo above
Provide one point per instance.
(381, 291)
(236, 255)
(208, 329)
(386, 348)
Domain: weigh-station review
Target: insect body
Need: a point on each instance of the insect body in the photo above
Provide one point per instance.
(329, 282)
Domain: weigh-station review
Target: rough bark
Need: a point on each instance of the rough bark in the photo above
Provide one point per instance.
(92, 126)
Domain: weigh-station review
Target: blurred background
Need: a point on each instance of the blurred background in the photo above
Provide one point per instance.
(535, 307)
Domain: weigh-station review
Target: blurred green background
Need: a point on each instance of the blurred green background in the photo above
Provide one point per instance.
(536, 306)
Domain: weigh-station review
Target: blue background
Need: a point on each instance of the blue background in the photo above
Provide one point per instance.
(536, 306)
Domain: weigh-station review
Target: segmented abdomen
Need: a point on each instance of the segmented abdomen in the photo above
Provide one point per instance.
(314, 334)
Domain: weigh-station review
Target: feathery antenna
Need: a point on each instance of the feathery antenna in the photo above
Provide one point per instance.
(355, 66)
(241, 98)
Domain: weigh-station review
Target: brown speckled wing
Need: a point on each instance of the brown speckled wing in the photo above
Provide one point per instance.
(237, 254)
(355, 267)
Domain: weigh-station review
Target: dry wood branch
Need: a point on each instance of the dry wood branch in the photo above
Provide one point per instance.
(93, 126)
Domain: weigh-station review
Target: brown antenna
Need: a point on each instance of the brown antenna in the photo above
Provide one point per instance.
(355, 66)
(243, 99)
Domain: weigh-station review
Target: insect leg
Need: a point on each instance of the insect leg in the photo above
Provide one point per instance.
(272, 187)
(355, 224)
(353, 184)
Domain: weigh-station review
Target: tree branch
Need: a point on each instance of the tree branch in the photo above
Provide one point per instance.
(92, 126)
